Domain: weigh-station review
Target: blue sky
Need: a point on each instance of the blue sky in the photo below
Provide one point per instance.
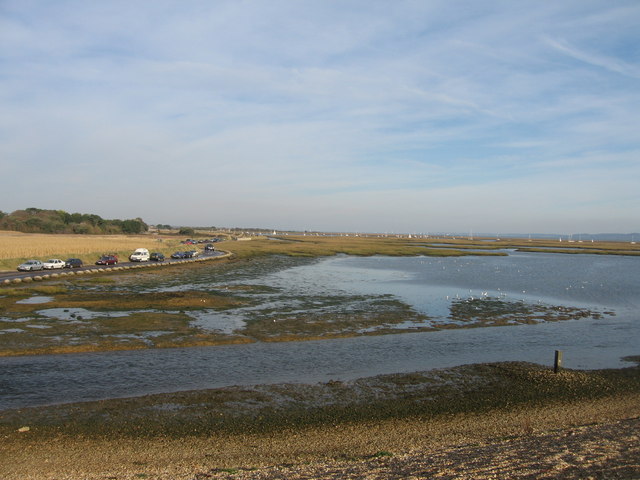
(403, 116)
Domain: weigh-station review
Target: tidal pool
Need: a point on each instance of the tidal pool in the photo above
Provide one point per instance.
(35, 300)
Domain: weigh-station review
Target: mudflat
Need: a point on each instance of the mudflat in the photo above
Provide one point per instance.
(504, 420)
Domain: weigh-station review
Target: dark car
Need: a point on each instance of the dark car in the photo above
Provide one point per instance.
(178, 255)
(107, 260)
(157, 256)
(209, 247)
(73, 263)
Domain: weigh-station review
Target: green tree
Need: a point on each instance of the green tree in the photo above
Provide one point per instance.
(64, 217)
(81, 228)
(95, 220)
(34, 224)
(133, 226)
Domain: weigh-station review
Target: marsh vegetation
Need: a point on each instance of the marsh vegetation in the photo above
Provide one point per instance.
(242, 301)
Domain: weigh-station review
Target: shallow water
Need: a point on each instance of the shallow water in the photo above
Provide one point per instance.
(429, 285)
(35, 300)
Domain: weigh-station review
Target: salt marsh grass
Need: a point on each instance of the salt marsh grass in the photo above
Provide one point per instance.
(311, 246)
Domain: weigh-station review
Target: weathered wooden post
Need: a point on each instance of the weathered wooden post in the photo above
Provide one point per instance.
(558, 361)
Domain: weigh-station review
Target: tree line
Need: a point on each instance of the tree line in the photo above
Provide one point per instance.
(36, 220)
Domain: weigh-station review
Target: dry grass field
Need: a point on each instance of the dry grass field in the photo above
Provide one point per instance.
(16, 247)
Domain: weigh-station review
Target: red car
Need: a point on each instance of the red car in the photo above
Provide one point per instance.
(107, 260)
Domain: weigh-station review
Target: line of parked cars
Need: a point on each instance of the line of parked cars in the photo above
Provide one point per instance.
(139, 255)
(143, 255)
(187, 254)
(51, 264)
(190, 241)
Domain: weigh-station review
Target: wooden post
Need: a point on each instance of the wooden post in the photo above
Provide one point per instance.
(558, 361)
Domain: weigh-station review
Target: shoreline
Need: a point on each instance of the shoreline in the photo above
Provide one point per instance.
(459, 422)
(366, 425)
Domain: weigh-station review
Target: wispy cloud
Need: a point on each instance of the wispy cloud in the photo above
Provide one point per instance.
(304, 114)
(611, 64)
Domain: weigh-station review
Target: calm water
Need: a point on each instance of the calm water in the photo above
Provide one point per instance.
(429, 285)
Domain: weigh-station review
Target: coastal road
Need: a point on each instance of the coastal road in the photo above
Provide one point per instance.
(11, 275)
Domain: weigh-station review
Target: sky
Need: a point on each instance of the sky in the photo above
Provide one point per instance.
(357, 116)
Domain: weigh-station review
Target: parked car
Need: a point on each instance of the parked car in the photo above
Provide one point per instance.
(209, 247)
(157, 257)
(53, 263)
(107, 260)
(140, 255)
(73, 263)
(30, 265)
(177, 255)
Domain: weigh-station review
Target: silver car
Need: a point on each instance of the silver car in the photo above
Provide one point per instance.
(30, 265)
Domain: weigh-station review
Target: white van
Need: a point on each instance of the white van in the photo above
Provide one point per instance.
(140, 255)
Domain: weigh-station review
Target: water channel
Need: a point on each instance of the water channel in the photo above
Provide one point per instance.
(428, 284)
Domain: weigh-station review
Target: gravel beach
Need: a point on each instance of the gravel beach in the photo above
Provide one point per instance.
(575, 425)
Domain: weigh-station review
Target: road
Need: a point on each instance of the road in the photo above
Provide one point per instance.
(11, 275)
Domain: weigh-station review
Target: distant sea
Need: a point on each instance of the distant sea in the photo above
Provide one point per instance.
(585, 237)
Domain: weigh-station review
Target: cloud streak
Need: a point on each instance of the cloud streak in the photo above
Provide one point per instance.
(324, 115)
